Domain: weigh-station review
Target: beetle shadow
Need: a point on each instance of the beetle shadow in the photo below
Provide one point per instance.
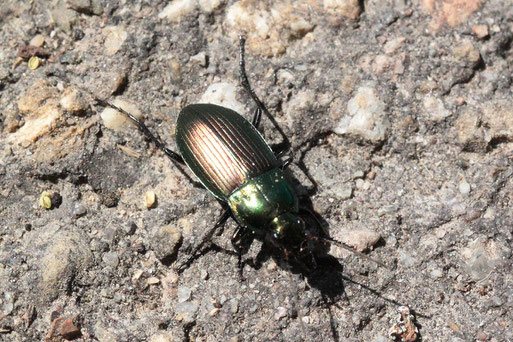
(321, 270)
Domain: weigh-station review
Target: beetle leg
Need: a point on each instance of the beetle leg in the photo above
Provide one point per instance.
(220, 222)
(145, 130)
(256, 117)
(241, 239)
(245, 84)
(289, 158)
(237, 234)
(286, 162)
(235, 240)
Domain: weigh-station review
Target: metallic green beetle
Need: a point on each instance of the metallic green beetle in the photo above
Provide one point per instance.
(232, 160)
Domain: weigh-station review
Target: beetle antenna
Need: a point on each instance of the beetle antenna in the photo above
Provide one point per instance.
(245, 84)
(346, 247)
(140, 125)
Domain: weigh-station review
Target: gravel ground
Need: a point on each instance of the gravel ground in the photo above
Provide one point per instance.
(400, 116)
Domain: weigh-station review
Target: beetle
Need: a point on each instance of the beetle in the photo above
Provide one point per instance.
(233, 162)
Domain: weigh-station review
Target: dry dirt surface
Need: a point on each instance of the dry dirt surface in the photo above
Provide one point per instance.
(400, 118)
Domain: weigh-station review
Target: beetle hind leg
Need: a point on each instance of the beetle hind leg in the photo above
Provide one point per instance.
(208, 236)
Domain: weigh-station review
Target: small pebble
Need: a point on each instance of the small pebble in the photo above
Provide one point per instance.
(109, 235)
(223, 94)
(119, 82)
(115, 37)
(481, 336)
(137, 274)
(149, 199)
(183, 293)
(213, 312)
(153, 280)
(73, 102)
(481, 31)
(165, 242)
(78, 34)
(34, 62)
(45, 200)
(162, 337)
(111, 259)
(367, 117)
(177, 10)
(69, 330)
(78, 210)
(360, 238)
(496, 301)
(454, 327)
(437, 273)
(70, 58)
(464, 187)
(115, 120)
(280, 313)
(37, 41)
(8, 303)
(186, 311)
(201, 59)
(358, 174)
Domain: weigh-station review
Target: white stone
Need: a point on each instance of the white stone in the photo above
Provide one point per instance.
(435, 109)
(366, 116)
(178, 9)
(200, 58)
(162, 337)
(241, 12)
(116, 36)
(437, 273)
(209, 5)
(360, 238)
(223, 94)
(115, 120)
(464, 187)
(347, 8)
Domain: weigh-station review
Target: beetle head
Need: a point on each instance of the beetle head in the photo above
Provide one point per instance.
(288, 230)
